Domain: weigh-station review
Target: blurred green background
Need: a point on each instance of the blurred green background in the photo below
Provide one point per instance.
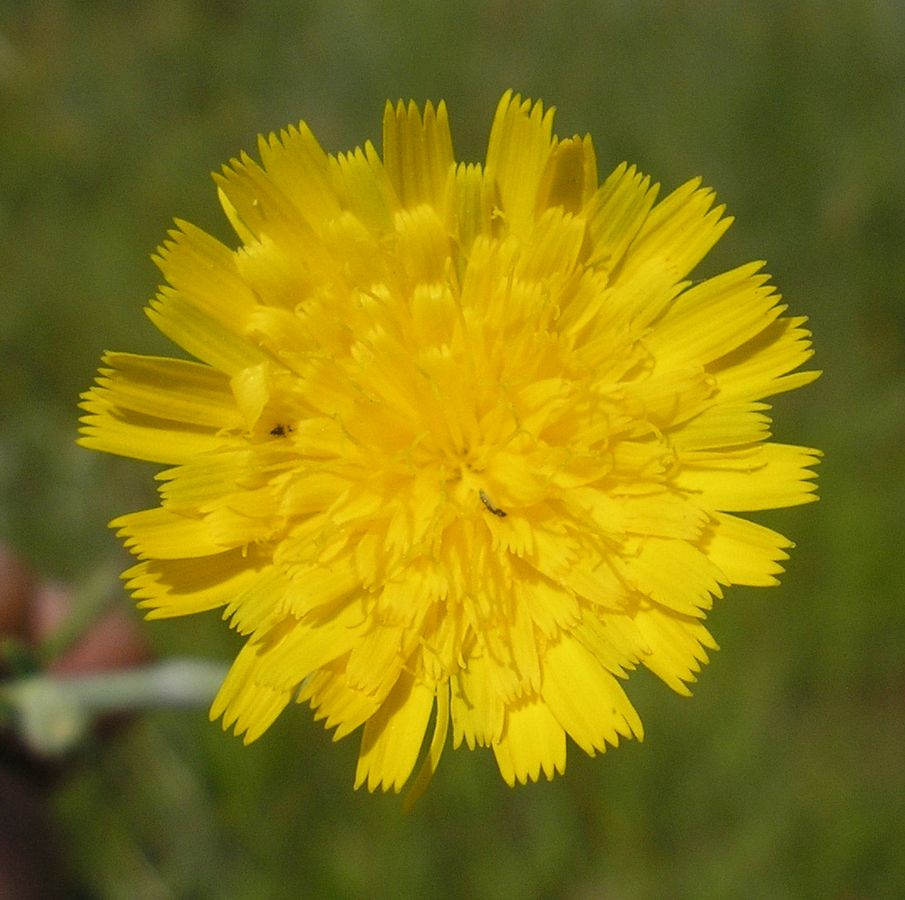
(785, 775)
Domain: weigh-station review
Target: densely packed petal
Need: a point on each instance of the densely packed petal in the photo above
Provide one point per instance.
(461, 445)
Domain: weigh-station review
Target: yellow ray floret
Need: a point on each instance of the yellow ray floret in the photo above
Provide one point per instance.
(461, 445)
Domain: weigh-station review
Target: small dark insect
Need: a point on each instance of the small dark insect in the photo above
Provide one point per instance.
(280, 430)
(489, 504)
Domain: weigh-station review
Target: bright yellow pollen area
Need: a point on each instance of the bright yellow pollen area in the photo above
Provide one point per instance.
(461, 444)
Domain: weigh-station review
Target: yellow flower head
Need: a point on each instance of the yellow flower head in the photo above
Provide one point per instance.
(462, 442)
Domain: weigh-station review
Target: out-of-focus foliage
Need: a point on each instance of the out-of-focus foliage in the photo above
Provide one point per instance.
(784, 775)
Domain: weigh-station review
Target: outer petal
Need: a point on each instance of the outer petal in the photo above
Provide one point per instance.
(521, 139)
(746, 553)
(417, 153)
(586, 699)
(205, 272)
(161, 410)
(533, 740)
(677, 646)
(570, 176)
(713, 318)
(393, 736)
(194, 329)
(178, 587)
(767, 476)
(764, 366)
(677, 234)
(674, 574)
(168, 389)
(333, 699)
(476, 707)
(616, 215)
(161, 534)
(300, 169)
(245, 703)
(435, 751)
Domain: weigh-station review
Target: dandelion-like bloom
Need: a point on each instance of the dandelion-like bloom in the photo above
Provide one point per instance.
(463, 444)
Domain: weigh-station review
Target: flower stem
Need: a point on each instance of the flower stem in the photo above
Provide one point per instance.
(53, 713)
